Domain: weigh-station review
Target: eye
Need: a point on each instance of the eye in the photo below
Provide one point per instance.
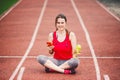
(62, 22)
(58, 22)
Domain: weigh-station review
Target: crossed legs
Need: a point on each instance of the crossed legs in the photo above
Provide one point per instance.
(56, 65)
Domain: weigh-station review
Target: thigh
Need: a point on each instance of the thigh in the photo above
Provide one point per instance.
(73, 62)
(55, 61)
(42, 59)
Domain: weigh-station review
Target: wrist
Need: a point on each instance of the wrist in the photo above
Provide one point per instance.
(51, 51)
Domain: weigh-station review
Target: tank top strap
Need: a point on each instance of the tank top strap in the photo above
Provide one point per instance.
(54, 35)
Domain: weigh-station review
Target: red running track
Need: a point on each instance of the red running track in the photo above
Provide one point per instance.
(99, 60)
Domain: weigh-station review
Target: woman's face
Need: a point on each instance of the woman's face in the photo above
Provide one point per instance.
(61, 24)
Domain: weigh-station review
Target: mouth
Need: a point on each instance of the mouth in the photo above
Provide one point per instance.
(61, 27)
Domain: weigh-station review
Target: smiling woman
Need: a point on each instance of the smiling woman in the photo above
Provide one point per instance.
(6, 4)
(62, 48)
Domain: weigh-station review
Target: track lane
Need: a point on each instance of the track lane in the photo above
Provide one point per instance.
(104, 31)
(93, 22)
(31, 42)
(7, 65)
(17, 27)
(47, 25)
(16, 30)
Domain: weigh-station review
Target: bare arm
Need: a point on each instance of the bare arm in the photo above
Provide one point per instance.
(73, 42)
(50, 39)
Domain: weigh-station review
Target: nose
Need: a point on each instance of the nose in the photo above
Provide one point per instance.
(61, 24)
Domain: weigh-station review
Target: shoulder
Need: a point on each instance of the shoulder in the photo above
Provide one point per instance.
(51, 34)
(72, 35)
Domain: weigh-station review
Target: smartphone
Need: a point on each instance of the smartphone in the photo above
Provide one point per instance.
(49, 44)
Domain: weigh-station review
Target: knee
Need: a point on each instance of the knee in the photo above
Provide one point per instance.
(42, 59)
(73, 63)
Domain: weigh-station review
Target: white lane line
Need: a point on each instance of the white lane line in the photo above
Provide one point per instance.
(98, 76)
(108, 10)
(17, 57)
(21, 73)
(31, 43)
(7, 12)
(101, 57)
(84, 57)
(106, 77)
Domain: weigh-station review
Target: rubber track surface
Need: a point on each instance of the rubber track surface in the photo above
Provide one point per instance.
(17, 28)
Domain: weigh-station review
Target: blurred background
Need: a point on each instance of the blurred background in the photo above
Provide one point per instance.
(112, 5)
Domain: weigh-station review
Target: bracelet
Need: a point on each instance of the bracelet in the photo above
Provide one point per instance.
(51, 51)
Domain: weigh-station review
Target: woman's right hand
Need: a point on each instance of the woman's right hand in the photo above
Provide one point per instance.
(50, 47)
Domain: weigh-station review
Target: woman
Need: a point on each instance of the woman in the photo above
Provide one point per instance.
(62, 48)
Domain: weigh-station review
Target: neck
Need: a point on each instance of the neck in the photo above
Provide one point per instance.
(61, 35)
(61, 32)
